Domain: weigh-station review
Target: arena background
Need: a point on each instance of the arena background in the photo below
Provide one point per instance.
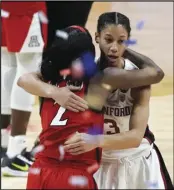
(154, 40)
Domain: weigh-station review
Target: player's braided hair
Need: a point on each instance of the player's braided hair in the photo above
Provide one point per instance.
(64, 51)
(115, 18)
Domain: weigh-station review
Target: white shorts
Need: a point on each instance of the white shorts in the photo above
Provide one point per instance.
(138, 170)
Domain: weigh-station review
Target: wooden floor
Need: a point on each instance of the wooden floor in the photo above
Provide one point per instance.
(156, 40)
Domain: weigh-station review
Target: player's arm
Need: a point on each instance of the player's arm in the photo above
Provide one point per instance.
(34, 84)
(120, 78)
(148, 73)
(138, 123)
(80, 143)
(140, 60)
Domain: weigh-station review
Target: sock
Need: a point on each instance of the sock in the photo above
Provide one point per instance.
(16, 145)
(5, 133)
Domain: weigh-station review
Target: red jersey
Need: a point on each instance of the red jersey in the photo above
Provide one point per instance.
(23, 8)
(58, 124)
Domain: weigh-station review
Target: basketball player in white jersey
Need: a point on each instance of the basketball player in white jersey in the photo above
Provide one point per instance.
(130, 159)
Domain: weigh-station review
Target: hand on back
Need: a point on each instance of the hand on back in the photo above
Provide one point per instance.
(69, 100)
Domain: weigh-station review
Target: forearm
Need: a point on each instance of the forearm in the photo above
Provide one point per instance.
(120, 78)
(33, 84)
(113, 78)
(120, 141)
(128, 139)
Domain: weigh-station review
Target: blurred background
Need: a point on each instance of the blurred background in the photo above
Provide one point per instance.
(154, 40)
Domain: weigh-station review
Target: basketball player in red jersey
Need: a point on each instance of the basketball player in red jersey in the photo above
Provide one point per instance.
(23, 41)
(56, 169)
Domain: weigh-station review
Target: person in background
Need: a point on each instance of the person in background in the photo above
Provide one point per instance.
(24, 37)
(62, 14)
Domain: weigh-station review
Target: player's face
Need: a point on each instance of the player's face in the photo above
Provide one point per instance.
(111, 42)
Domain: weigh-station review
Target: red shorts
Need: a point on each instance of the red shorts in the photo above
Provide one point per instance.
(24, 32)
(58, 177)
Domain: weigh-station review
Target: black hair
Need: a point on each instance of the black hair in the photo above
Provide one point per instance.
(63, 51)
(116, 18)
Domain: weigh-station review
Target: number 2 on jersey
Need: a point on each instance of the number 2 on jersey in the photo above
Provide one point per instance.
(57, 119)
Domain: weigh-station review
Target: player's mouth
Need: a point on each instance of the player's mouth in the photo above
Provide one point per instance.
(112, 58)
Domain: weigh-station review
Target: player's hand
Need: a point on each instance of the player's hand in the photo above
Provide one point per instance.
(80, 143)
(67, 99)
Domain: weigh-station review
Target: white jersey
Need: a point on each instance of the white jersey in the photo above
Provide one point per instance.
(117, 112)
(133, 168)
(118, 108)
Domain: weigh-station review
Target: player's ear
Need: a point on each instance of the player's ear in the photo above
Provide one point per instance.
(97, 37)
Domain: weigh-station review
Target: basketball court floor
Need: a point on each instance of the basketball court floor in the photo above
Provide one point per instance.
(154, 40)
